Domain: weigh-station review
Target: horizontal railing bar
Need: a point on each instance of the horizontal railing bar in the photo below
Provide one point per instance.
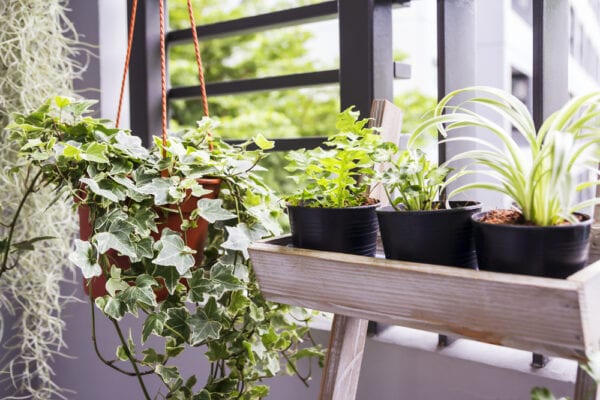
(257, 84)
(277, 19)
(288, 144)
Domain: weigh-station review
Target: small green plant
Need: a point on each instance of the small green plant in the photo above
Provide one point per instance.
(544, 394)
(412, 182)
(541, 178)
(340, 175)
(214, 303)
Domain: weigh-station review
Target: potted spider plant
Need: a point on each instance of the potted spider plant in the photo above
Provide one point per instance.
(418, 225)
(185, 300)
(544, 234)
(331, 209)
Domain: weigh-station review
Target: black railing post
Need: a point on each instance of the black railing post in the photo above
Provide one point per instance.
(366, 55)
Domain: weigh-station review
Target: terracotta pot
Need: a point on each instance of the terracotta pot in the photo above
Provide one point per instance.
(194, 237)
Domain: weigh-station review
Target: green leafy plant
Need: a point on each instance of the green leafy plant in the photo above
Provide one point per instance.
(214, 303)
(544, 394)
(541, 178)
(412, 182)
(340, 175)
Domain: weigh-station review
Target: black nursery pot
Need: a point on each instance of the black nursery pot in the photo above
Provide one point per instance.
(350, 230)
(441, 236)
(549, 251)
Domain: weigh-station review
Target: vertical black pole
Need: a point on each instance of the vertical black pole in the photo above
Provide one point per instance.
(366, 55)
(144, 72)
(550, 71)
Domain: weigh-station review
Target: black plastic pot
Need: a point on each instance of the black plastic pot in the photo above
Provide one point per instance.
(350, 230)
(550, 251)
(434, 237)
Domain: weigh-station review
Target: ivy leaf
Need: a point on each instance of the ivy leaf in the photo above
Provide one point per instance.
(84, 258)
(203, 395)
(169, 375)
(152, 357)
(137, 294)
(143, 248)
(202, 328)
(95, 152)
(93, 186)
(155, 322)
(224, 276)
(118, 241)
(115, 282)
(538, 393)
(212, 210)
(173, 252)
(172, 348)
(171, 277)
(216, 351)
(144, 221)
(131, 145)
(263, 143)
(199, 286)
(238, 301)
(113, 307)
(177, 325)
(238, 239)
(159, 188)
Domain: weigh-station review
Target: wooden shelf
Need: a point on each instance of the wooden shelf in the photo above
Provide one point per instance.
(548, 316)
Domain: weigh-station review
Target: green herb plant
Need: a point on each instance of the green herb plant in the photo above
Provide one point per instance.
(341, 174)
(412, 182)
(218, 306)
(540, 178)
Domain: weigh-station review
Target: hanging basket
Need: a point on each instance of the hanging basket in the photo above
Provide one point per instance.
(171, 216)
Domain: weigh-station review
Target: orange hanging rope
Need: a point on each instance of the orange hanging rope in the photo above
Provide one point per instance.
(163, 67)
(163, 75)
(127, 57)
(198, 58)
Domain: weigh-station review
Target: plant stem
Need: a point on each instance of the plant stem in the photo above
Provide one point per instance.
(15, 219)
(95, 342)
(130, 356)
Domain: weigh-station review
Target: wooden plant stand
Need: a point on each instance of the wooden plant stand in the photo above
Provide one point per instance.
(548, 316)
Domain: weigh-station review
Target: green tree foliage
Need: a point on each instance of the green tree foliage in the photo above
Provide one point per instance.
(276, 114)
(284, 113)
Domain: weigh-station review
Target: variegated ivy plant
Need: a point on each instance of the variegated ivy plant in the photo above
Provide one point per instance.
(220, 309)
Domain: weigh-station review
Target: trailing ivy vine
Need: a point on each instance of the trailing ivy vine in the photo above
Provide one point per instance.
(145, 264)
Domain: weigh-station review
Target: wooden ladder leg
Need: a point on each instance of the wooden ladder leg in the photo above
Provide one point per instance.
(344, 358)
(586, 387)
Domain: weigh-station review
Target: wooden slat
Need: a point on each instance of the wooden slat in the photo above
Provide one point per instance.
(588, 280)
(585, 387)
(344, 358)
(535, 314)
